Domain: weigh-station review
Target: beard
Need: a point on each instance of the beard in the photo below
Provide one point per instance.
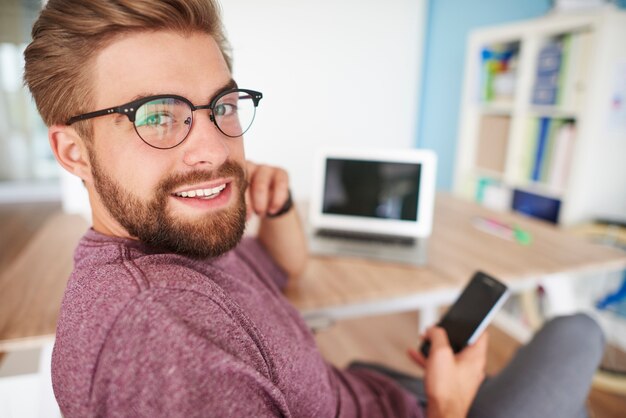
(209, 235)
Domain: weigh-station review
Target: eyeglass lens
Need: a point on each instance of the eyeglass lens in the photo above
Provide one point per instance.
(166, 122)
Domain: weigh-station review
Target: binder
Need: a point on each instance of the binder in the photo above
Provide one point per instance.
(547, 75)
(544, 129)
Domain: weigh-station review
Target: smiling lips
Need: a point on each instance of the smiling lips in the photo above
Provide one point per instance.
(209, 193)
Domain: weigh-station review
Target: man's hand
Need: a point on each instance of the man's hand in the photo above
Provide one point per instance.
(283, 236)
(268, 189)
(451, 381)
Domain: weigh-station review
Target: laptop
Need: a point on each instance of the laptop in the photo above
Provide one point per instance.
(375, 204)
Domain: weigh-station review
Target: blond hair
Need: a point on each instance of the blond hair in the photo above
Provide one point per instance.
(69, 33)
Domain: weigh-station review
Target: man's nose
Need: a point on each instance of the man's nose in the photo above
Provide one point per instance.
(205, 144)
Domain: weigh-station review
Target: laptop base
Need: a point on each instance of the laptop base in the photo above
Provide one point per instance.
(402, 252)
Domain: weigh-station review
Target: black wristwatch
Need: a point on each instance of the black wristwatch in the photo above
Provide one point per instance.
(286, 207)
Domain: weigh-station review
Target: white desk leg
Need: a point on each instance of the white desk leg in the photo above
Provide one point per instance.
(428, 316)
(48, 407)
(560, 297)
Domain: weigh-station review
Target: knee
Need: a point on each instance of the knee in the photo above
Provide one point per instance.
(579, 329)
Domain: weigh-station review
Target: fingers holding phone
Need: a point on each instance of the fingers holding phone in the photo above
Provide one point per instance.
(470, 314)
(472, 352)
(454, 353)
(451, 380)
(440, 338)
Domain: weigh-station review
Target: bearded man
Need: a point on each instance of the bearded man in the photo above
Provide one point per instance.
(168, 311)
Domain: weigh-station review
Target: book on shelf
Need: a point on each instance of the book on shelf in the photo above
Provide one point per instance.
(562, 158)
(547, 75)
(546, 163)
(548, 152)
(542, 139)
(527, 157)
(561, 70)
(577, 54)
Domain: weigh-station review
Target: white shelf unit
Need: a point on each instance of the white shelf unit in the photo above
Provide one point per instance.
(595, 184)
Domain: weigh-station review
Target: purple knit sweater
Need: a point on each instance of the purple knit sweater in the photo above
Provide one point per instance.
(147, 334)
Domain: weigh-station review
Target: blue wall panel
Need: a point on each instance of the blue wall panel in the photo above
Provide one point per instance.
(449, 22)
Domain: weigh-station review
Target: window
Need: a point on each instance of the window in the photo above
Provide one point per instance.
(24, 151)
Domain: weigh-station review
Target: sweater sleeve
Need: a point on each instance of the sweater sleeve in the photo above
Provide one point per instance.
(162, 358)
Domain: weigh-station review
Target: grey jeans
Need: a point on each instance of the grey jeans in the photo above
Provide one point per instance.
(548, 377)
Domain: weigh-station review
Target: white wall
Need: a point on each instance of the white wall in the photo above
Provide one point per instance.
(333, 73)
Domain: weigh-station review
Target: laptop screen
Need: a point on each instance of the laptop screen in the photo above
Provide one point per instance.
(371, 189)
(374, 191)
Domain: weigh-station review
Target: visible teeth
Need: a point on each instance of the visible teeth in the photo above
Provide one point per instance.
(202, 192)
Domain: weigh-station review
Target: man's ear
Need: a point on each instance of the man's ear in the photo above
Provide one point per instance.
(70, 151)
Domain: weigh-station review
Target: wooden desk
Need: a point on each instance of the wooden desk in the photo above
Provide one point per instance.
(331, 288)
(31, 287)
(334, 288)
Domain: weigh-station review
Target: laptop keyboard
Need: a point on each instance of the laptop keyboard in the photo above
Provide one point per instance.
(365, 237)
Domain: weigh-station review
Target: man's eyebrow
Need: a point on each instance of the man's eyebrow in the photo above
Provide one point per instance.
(142, 96)
(231, 84)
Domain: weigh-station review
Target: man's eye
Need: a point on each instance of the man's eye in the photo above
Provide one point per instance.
(154, 119)
(225, 109)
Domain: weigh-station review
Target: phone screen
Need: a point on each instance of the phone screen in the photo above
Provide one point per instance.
(472, 311)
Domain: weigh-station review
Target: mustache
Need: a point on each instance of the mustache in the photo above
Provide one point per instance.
(228, 169)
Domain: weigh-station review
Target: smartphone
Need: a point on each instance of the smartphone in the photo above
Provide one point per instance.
(472, 311)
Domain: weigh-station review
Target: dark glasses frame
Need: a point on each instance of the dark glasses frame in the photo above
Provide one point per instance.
(130, 109)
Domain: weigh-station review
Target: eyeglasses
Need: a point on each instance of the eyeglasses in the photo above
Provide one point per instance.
(165, 120)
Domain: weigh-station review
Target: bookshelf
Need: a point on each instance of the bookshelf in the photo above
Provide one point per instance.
(543, 117)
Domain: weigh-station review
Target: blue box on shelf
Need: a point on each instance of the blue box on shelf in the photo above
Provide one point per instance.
(536, 205)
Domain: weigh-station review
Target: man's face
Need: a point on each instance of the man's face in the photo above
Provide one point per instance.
(136, 189)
